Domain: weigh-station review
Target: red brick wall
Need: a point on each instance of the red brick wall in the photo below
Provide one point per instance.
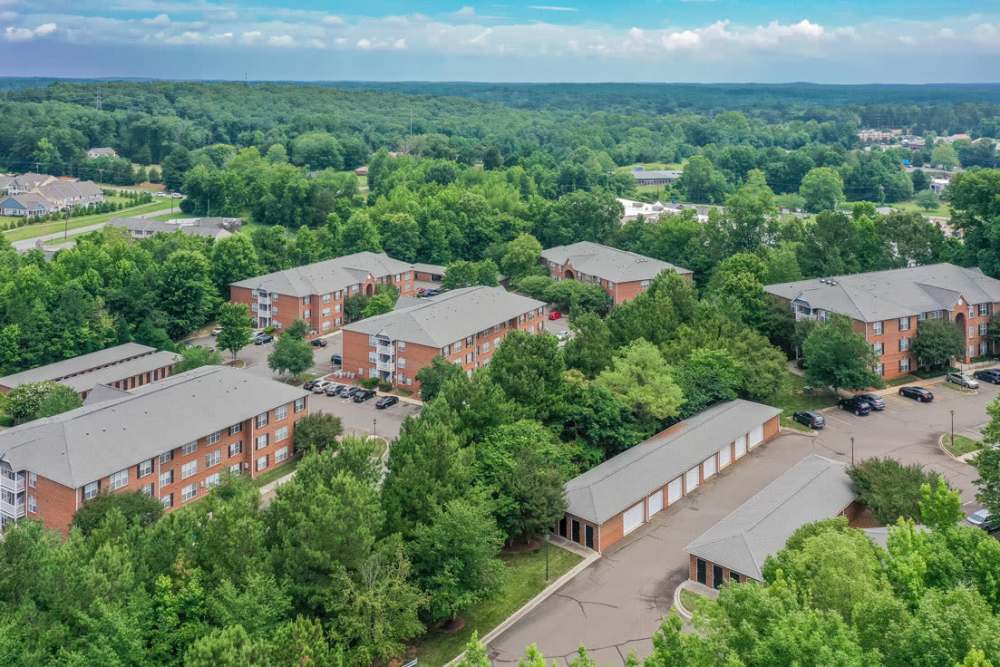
(611, 531)
(56, 504)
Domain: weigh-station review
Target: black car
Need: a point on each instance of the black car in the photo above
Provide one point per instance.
(874, 400)
(262, 338)
(337, 360)
(318, 342)
(855, 404)
(335, 389)
(917, 394)
(350, 392)
(386, 401)
(813, 420)
(309, 384)
(991, 375)
(363, 395)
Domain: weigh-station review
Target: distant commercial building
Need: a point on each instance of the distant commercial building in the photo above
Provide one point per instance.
(886, 307)
(735, 549)
(95, 153)
(464, 326)
(315, 293)
(123, 367)
(622, 274)
(173, 440)
(651, 212)
(644, 176)
(611, 500)
(213, 228)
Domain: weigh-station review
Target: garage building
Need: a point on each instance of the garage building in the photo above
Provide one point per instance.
(613, 499)
(815, 488)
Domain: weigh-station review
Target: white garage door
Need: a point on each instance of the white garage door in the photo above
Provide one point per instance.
(632, 518)
(741, 446)
(674, 491)
(708, 467)
(725, 456)
(756, 436)
(691, 480)
(656, 502)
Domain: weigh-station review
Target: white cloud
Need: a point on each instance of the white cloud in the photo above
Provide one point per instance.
(466, 12)
(399, 44)
(364, 44)
(23, 34)
(159, 19)
(281, 40)
(552, 8)
(332, 20)
(45, 29)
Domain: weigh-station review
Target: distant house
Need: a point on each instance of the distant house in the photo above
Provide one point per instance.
(938, 185)
(214, 228)
(361, 171)
(644, 176)
(31, 195)
(25, 205)
(94, 153)
(28, 182)
(70, 194)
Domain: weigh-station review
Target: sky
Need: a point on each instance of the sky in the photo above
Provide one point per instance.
(828, 41)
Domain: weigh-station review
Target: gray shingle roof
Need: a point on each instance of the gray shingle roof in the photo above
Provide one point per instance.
(93, 441)
(31, 201)
(443, 319)
(618, 266)
(618, 483)
(208, 227)
(327, 276)
(883, 295)
(110, 374)
(813, 489)
(85, 362)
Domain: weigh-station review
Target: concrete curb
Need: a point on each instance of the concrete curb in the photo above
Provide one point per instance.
(271, 486)
(964, 458)
(678, 605)
(531, 604)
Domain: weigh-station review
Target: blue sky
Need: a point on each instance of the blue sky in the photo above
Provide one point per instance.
(835, 41)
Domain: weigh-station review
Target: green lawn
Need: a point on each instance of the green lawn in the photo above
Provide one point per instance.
(690, 599)
(275, 473)
(962, 445)
(54, 226)
(794, 397)
(943, 210)
(526, 578)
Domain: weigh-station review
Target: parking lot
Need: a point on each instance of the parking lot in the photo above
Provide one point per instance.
(616, 605)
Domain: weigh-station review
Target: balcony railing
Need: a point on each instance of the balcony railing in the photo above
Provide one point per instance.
(385, 366)
(13, 485)
(15, 510)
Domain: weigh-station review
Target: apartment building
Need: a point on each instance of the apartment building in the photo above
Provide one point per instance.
(465, 326)
(887, 307)
(173, 440)
(123, 367)
(622, 274)
(315, 293)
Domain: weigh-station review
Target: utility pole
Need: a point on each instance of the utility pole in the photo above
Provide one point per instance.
(374, 421)
(852, 450)
(953, 429)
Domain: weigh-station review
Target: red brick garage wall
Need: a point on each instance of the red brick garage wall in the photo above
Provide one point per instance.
(611, 531)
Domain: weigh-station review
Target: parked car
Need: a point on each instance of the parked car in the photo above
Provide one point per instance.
(430, 292)
(335, 389)
(855, 404)
(363, 395)
(917, 394)
(350, 392)
(320, 386)
(386, 402)
(873, 400)
(309, 384)
(318, 342)
(962, 380)
(176, 195)
(262, 338)
(991, 375)
(337, 360)
(555, 315)
(978, 518)
(216, 331)
(813, 420)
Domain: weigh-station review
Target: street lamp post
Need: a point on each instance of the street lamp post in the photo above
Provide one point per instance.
(374, 420)
(852, 450)
(546, 538)
(952, 429)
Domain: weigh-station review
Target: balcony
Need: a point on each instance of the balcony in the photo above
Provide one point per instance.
(15, 510)
(15, 485)
(385, 366)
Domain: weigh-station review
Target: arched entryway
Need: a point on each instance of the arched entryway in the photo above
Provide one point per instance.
(569, 275)
(369, 289)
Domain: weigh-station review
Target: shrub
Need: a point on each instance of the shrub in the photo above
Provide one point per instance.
(138, 509)
(369, 383)
(384, 386)
(890, 489)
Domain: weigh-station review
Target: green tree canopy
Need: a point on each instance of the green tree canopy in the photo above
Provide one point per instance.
(836, 356)
(937, 342)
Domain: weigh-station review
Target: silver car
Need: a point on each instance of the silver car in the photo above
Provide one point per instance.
(962, 380)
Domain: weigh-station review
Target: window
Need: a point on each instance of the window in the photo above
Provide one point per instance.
(877, 328)
(984, 309)
(281, 455)
(213, 458)
(336, 308)
(326, 311)
(983, 348)
(446, 350)
(984, 329)
(468, 358)
(496, 342)
(305, 301)
(119, 479)
(166, 478)
(91, 490)
(904, 344)
(324, 325)
(326, 298)
(904, 324)
(972, 310)
(32, 480)
(879, 348)
(167, 500)
(281, 413)
(147, 489)
(235, 428)
(262, 419)
(215, 437)
(971, 350)
(458, 346)
(166, 457)
(261, 463)
(402, 345)
(145, 468)
(188, 469)
(486, 347)
(281, 434)
(32, 504)
(401, 362)
(189, 448)
(972, 331)
(235, 448)
(262, 441)
(644, 284)
(880, 369)
(213, 480)
(300, 404)
(307, 313)
(904, 365)
(234, 469)
(188, 492)
(338, 294)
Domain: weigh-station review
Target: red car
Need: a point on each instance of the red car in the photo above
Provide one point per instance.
(555, 315)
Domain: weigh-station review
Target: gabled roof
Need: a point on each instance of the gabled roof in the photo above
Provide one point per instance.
(813, 489)
(618, 483)
(618, 266)
(85, 362)
(449, 317)
(208, 227)
(91, 442)
(883, 295)
(126, 369)
(29, 201)
(327, 276)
